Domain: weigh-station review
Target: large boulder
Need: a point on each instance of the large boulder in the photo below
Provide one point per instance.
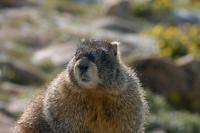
(191, 67)
(164, 77)
(160, 74)
(178, 81)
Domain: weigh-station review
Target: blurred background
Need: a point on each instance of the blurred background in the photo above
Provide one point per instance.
(160, 39)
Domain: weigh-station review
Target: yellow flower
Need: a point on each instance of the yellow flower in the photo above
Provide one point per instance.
(193, 48)
(170, 32)
(194, 30)
(162, 4)
(166, 51)
(157, 30)
(184, 39)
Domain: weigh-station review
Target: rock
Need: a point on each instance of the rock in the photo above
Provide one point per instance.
(2, 106)
(17, 106)
(164, 77)
(118, 24)
(160, 74)
(58, 54)
(120, 8)
(185, 60)
(17, 72)
(13, 88)
(6, 123)
(177, 81)
(4, 110)
(191, 67)
(13, 3)
(24, 26)
(185, 16)
(87, 1)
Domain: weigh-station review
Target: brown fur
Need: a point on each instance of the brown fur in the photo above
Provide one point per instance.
(65, 108)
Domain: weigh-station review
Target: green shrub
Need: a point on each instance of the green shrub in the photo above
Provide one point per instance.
(20, 52)
(175, 122)
(4, 96)
(156, 102)
(150, 7)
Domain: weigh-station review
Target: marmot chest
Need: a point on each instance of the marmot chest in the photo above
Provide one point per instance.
(101, 116)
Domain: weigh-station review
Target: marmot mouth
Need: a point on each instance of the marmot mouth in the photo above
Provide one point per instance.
(84, 78)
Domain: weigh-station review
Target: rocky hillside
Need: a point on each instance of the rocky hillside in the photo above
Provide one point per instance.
(160, 39)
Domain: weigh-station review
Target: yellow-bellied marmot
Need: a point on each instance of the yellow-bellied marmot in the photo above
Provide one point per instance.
(95, 94)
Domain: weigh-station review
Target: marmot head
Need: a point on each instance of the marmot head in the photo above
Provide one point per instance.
(95, 64)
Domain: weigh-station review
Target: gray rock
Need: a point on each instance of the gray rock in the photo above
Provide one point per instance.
(57, 54)
(17, 106)
(121, 8)
(87, 1)
(185, 16)
(118, 24)
(2, 106)
(4, 110)
(13, 88)
(6, 123)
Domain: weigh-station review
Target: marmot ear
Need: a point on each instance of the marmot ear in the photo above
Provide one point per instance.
(83, 39)
(115, 45)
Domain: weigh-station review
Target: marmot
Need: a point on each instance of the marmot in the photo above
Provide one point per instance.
(96, 93)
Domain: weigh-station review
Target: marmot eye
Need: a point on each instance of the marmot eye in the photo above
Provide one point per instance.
(90, 57)
(104, 55)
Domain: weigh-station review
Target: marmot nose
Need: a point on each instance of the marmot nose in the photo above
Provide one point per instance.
(83, 67)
